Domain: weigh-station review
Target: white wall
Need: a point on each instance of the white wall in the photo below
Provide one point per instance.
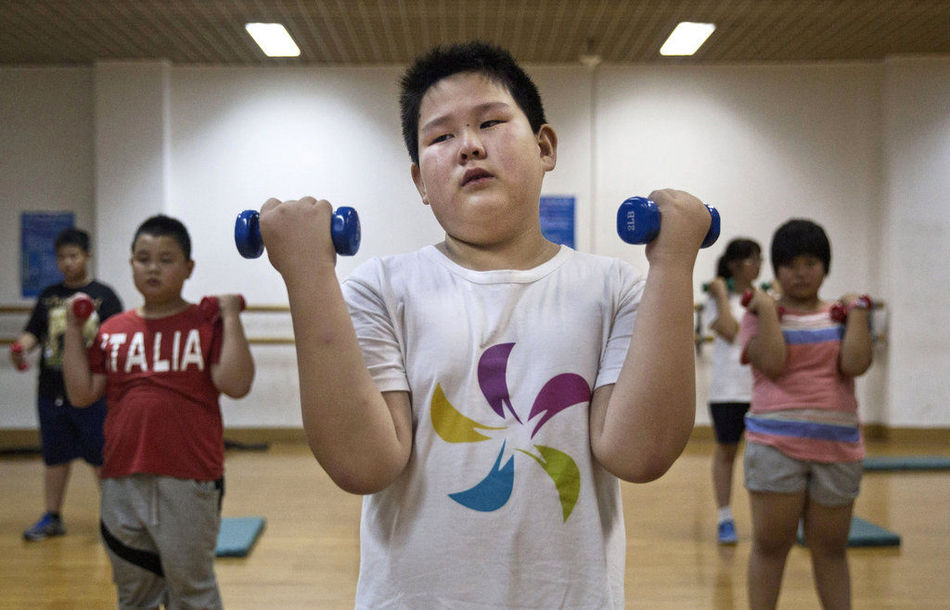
(762, 143)
(46, 164)
(915, 236)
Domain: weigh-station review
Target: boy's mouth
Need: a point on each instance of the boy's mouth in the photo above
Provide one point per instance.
(475, 174)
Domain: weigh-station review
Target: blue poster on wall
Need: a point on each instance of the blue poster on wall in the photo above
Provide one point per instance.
(557, 219)
(38, 231)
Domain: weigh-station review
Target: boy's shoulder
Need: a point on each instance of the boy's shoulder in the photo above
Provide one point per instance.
(55, 289)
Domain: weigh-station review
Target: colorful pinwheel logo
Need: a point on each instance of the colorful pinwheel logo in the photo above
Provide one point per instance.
(559, 393)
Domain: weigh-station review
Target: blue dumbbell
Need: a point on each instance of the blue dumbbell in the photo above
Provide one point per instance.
(344, 230)
(638, 222)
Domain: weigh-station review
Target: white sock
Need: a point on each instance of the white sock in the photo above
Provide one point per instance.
(725, 514)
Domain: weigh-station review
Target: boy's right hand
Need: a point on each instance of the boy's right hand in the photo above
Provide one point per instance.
(297, 235)
(16, 356)
(685, 224)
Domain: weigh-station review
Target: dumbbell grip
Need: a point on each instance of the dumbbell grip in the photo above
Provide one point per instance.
(344, 231)
(638, 222)
(840, 311)
(83, 307)
(17, 348)
(210, 307)
(747, 298)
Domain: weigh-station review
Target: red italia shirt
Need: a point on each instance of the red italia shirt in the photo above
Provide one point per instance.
(163, 413)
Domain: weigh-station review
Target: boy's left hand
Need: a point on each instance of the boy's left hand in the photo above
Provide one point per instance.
(685, 222)
(850, 299)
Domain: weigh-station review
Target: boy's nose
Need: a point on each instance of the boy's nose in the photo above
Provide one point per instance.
(471, 147)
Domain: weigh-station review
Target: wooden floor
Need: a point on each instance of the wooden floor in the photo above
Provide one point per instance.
(308, 555)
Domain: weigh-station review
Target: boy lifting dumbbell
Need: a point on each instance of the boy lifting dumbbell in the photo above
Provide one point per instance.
(488, 393)
(67, 432)
(163, 366)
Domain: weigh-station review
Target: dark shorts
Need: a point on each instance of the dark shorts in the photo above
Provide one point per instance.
(70, 432)
(728, 420)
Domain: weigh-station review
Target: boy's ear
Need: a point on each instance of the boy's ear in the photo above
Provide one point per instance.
(420, 185)
(547, 144)
(191, 267)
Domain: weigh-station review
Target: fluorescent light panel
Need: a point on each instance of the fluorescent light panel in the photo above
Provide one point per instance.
(273, 39)
(686, 38)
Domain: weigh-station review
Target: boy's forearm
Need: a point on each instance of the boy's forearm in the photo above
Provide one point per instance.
(235, 371)
(349, 426)
(766, 350)
(652, 407)
(77, 375)
(856, 353)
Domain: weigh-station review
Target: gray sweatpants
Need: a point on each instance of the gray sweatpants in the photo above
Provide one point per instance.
(160, 534)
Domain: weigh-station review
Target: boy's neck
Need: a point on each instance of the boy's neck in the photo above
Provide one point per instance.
(77, 282)
(162, 309)
(520, 255)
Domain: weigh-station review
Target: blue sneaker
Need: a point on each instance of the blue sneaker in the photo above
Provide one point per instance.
(47, 527)
(727, 533)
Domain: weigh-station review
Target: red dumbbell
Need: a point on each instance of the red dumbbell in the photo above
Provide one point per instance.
(83, 307)
(839, 311)
(211, 308)
(747, 298)
(17, 348)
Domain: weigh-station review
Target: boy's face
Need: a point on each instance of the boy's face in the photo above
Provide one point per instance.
(801, 277)
(159, 268)
(72, 261)
(480, 164)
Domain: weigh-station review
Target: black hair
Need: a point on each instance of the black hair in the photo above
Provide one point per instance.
(162, 225)
(737, 250)
(441, 62)
(799, 237)
(72, 237)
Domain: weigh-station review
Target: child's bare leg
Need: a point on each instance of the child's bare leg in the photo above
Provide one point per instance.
(723, 459)
(55, 479)
(775, 519)
(826, 531)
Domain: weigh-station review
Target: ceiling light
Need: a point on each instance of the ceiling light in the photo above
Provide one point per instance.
(273, 39)
(686, 38)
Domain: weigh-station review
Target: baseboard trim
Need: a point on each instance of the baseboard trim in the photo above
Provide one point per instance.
(23, 437)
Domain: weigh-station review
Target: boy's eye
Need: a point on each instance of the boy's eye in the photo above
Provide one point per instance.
(491, 123)
(440, 138)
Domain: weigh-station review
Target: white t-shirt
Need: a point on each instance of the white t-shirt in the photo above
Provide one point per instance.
(502, 504)
(731, 380)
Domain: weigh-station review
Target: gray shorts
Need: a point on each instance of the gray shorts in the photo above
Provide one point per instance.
(160, 534)
(769, 470)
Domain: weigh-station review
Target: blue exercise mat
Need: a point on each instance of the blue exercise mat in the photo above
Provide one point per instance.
(238, 535)
(864, 533)
(907, 462)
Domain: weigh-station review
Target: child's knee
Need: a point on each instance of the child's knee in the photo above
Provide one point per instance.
(773, 543)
